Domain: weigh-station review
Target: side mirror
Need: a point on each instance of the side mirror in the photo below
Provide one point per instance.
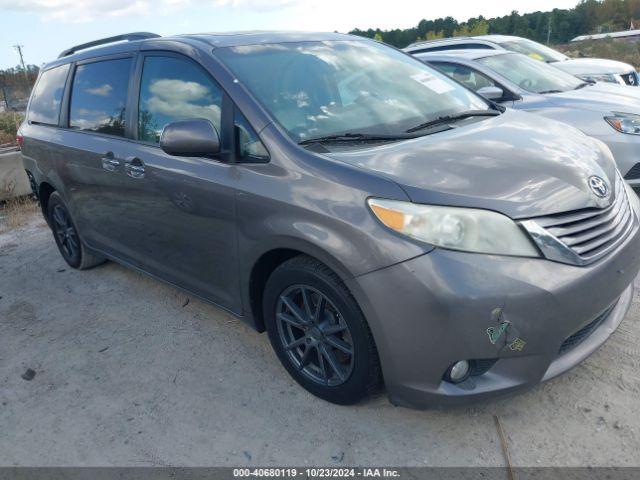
(491, 93)
(190, 138)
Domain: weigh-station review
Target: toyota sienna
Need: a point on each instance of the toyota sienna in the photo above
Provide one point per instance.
(384, 224)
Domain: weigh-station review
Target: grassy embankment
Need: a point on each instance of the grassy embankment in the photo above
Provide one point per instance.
(15, 212)
(610, 49)
(9, 123)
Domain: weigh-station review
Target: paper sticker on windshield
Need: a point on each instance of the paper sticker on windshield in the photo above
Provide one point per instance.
(432, 82)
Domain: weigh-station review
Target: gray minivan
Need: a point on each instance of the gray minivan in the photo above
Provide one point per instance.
(382, 222)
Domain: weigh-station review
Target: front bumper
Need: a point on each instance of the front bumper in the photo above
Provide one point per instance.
(626, 152)
(436, 309)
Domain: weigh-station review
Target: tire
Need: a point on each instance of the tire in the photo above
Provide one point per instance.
(70, 245)
(312, 338)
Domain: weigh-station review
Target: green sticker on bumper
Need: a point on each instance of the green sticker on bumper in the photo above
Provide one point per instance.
(504, 328)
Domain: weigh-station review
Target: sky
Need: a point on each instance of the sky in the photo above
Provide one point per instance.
(46, 27)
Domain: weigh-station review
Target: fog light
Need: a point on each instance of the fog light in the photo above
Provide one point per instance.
(458, 372)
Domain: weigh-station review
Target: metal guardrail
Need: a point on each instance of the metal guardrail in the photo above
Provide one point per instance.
(9, 149)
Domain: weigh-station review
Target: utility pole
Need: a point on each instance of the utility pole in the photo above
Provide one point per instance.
(549, 31)
(5, 99)
(24, 69)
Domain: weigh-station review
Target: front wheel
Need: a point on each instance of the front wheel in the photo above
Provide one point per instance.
(319, 333)
(74, 252)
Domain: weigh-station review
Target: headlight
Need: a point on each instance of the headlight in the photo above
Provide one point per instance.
(600, 77)
(625, 122)
(466, 229)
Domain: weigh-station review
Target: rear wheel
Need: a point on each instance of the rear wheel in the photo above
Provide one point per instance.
(319, 333)
(74, 252)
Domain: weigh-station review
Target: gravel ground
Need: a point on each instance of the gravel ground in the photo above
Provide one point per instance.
(131, 372)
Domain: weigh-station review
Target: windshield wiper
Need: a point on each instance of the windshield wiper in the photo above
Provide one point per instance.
(549, 91)
(582, 85)
(355, 137)
(454, 118)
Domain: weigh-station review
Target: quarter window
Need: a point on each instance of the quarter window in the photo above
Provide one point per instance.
(47, 96)
(99, 96)
(249, 147)
(175, 89)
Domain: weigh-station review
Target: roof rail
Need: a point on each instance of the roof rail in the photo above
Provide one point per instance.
(443, 39)
(130, 37)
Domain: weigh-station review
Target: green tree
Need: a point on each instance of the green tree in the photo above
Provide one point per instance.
(589, 16)
(480, 27)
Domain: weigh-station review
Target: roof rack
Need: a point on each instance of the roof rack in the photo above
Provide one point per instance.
(129, 37)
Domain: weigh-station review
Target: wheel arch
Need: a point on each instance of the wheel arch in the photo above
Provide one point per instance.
(268, 260)
(45, 190)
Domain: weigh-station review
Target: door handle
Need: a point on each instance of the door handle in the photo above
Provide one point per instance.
(134, 167)
(109, 162)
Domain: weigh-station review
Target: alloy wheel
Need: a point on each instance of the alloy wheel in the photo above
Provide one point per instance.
(315, 335)
(65, 233)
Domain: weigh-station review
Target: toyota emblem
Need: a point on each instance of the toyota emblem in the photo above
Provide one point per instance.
(598, 186)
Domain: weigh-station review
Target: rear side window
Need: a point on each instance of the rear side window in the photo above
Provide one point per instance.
(175, 89)
(47, 96)
(99, 96)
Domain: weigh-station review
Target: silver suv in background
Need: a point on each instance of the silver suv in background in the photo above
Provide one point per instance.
(610, 113)
(383, 223)
(590, 69)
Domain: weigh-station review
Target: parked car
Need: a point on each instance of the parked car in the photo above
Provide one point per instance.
(590, 69)
(610, 113)
(382, 222)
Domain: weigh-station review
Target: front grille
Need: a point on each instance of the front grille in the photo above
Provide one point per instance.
(634, 173)
(581, 335)
(630, 78)
(583, 236)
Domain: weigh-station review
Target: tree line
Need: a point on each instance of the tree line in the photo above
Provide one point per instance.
(555, 27)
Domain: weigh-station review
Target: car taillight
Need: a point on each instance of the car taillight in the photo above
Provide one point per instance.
(20, 140)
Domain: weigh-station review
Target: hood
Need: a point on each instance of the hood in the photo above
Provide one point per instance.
(586, 66)
(518, 164)
(601, 97)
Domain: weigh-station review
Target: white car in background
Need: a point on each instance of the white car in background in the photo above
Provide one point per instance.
(608, 112)
(590, 69)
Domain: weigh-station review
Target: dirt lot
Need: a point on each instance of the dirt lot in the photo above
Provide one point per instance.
(129, 371)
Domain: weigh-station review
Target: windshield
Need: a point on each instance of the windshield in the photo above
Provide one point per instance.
(322, 88)
(531, 75)
(535, 50)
